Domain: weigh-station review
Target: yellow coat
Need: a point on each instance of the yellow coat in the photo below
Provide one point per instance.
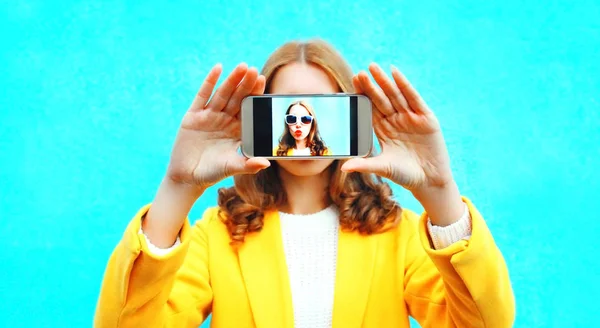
(290, 152)
(381, 279)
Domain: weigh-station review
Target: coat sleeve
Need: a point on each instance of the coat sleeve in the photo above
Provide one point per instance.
(463, 285)
(142, 289)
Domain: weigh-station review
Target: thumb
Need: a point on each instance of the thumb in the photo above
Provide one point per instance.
(255, 164)
(243, 165)
(374, 165)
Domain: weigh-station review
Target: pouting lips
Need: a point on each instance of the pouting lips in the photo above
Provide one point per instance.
(298, 133)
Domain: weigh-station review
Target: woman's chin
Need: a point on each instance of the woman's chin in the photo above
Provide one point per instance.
(305, 167)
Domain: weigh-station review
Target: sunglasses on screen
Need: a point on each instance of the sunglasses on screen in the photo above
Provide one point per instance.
(292, 119)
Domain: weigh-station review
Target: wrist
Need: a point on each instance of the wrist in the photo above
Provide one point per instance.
(443, 203)
(168, 212)
(180, 189)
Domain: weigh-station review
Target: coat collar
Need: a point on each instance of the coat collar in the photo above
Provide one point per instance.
(263, 266)
(354, 271)
(265, 274)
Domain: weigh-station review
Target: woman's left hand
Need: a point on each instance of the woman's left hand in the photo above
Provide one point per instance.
(413, 150)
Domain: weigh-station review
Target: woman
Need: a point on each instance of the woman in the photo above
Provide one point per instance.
(301, 135)
(307, 243)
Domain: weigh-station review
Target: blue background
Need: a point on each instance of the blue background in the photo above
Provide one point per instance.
(92, 93)
(332, 116)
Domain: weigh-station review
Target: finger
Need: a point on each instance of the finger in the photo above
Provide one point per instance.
(242, 90)
(206, 88)
(387, 128)
(242, 165)
(221, 97)
(379, 99)
(382, 126)
(356, 83)
(379, 125)
(415, 102)
(390, 89)
(259, 89)
(373, 165)
(259, 86)
(377, 117)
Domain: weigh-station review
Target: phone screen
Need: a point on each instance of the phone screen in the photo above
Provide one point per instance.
(324, 125)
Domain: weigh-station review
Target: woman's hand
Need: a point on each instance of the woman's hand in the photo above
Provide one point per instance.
(205, 151)
(413, 150)
(206, 147)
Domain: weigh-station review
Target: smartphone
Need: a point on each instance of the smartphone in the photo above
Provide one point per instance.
(307, 126)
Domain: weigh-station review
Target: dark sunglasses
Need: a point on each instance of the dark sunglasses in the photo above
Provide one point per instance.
(292, 119)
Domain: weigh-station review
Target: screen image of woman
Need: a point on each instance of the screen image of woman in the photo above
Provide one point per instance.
(300, 135)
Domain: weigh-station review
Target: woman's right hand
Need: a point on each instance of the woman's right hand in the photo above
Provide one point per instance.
(205, 151)
(206, 147)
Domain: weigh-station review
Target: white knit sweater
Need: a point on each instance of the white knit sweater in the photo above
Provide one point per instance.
(310, 247)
